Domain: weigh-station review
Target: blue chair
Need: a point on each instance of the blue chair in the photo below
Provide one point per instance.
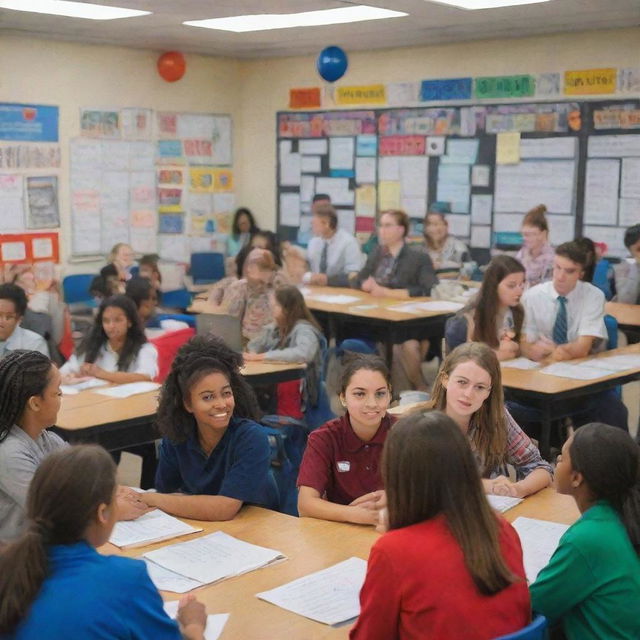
(75, 289)
(178, 299)
(537, 630)
(207, 267)
(321, 412)
(182, 317)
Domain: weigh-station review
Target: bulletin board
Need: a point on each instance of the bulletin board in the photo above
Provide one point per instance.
(160, 181)
(491, 163)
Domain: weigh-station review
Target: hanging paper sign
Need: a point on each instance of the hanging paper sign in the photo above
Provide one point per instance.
(306, 98)
(364, 94)
(446, 89)
(505, 87)
(32, 122)
(590, 81)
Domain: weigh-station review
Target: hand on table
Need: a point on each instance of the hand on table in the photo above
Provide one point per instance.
(92, 369)
(368, 284)
(129, 504)
(192, 617)
(502, 486)
(253, 357)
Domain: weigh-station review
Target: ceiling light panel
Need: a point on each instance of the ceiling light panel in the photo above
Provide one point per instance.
(485, 4)
(71, 9)
(268, 21)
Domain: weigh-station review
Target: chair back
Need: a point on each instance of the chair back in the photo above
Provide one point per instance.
(537, 630)
(612, 331)
(76, 288)
(167, 346)
(207, 267)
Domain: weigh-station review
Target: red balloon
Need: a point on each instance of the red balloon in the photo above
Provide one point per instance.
(171, 66)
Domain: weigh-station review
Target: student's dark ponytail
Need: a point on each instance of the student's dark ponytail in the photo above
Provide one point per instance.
(64, 495)
(609, 461)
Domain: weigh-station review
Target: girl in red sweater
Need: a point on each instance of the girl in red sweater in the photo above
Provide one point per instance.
(449, 567)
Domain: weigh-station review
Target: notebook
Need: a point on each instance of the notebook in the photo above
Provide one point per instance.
(223, 325)
(150, 527)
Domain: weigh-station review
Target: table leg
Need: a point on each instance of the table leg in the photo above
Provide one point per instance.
(545, 431)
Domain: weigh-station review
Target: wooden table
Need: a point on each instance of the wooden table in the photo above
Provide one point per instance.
(310, 545)
(386, 324)
(627, 315)
(546, 391)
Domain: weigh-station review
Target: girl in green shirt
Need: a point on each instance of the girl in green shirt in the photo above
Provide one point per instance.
(591, 585)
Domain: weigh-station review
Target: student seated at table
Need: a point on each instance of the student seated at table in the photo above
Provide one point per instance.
(55, 584)
(394, 270)
(564, 319)
(29, 405)
(447, 253)
(148, 268)
(115, 349)
(495, 315)
(469, 390)
(628, 271)
(214, 457)
(242, 228)
(339, 476)
(248, 297)
(13, 304)
(597, 271)
(448, 566)
(536, 254)
(294, 336)
(334, 255)
(106, 284)
(145, 297)
(122, 257)
(591, 585)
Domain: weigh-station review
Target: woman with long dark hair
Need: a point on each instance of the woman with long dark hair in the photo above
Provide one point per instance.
(116, 348)
(213, 456)
(53, 582)
(449, 566)
(242, 228)
(495, 315)
(592, 582)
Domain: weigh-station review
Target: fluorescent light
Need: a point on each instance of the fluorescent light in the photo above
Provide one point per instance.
(485, 4)
(71, 9)
(265, 21)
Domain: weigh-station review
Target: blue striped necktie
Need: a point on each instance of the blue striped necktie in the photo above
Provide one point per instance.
(323, 257)
(560, 325)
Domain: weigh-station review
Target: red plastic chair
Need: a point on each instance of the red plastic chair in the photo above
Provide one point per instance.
(167, 345)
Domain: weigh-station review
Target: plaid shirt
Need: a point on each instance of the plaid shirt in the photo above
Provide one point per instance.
(522, 454)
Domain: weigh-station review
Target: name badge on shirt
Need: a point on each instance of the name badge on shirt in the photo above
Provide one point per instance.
(343, 466)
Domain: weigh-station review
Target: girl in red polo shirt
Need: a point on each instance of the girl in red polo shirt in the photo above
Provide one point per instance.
(449, 566)
(339, 476)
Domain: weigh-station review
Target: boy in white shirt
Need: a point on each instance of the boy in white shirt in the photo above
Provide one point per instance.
(13, 304)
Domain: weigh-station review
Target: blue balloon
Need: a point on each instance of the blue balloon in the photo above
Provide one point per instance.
(332, 63)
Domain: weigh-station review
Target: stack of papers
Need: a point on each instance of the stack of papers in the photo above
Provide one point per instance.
(166, 580)
(539, 540)
(215, 622)
(432, 305)
(520, 363)
(330, 596)
(72, 389)
(127, 390)
(339, 298)
(615, 363)
(503, 503)
(574, 371)
(212, 558)
(151, 527)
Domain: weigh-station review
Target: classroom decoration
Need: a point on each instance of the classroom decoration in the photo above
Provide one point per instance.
(488, 163)
(332, 63)
(171, 66)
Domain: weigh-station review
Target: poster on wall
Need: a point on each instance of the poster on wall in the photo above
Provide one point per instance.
(42, 200)
(28, 122)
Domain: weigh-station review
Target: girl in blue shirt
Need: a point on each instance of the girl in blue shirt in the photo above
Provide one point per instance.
(214, 457)
(53, 582)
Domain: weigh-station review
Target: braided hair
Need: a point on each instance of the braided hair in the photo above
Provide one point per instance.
(22, 374)
(197, 358)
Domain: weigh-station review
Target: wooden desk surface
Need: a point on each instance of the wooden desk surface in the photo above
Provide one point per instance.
(533, 380)
(625, 314)
(310, 545)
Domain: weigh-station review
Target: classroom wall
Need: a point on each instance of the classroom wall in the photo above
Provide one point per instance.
(72, 76)
(265, 85)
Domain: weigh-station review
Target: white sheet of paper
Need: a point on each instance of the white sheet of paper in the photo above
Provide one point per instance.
(341, 153)
(520, 363)
(365, 170)
(130, 389)
(459, 225)
(339, 298)
(539, 540)
(461, 151)
(431, 305)
(307, 188)
(454, 173)
(614, 146)
(388, 168)
(150, 527)
(481, 206)
(630, 181)
(290, 209)
(503, 503)
(561, 228)
(313, 147)
(311, 164)
(213, 557)
(480, 175)
(480, 237)
(329, 596)
(347, 220)
(601, 191)
(414, 176)
(435, 145)
(166, 580)
(414, 207)
(548, 147)
(70, 389)
(574, 371)
(614, 363)
(215, 621)
(628, 211)
(290, 170)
